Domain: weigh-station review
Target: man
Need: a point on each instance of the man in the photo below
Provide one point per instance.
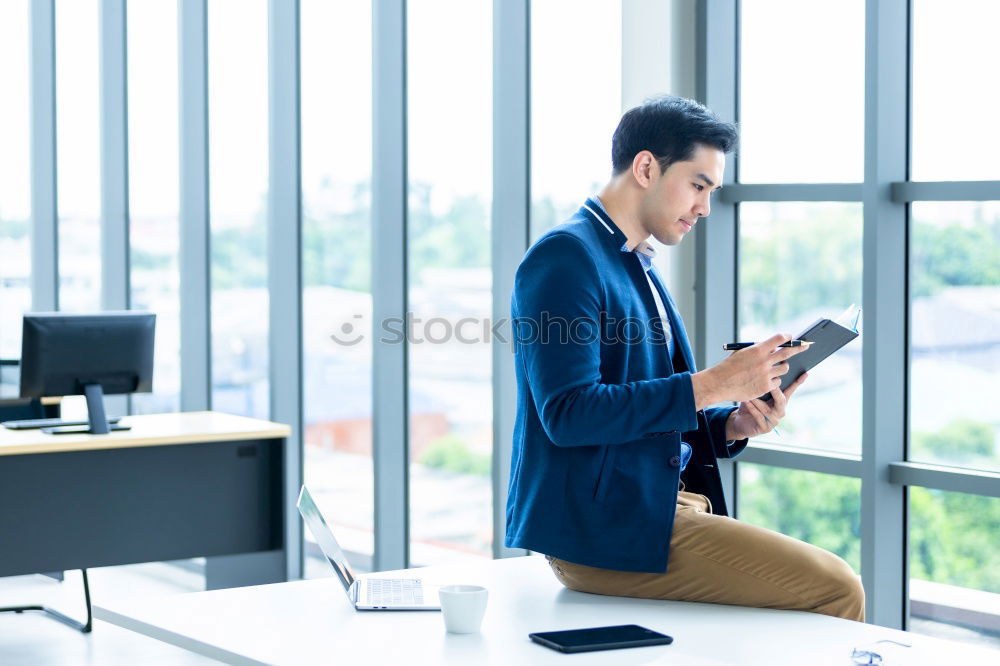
(614, 474)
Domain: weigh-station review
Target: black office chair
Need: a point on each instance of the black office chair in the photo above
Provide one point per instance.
(16, 409)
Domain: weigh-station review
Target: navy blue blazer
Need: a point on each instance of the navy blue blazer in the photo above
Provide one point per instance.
(601, 409)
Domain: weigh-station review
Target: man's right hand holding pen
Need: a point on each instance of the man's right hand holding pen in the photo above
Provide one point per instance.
(745, 375)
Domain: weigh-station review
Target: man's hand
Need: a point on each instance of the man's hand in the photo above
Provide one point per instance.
(746, 374)
(755, 417)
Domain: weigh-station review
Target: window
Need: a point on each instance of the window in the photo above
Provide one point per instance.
(337, 271)
(954, 565)
(954, 310)
(237, 84)
(955, 333)
(450, 194)
(154, 190)
(15, 185)
(799, 262)
(949, 38)
(821, 509)
(920, 256)
(78, 153)
(801, 91)
(575, 103)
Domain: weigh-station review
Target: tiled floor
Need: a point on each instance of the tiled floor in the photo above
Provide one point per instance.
(32, 639)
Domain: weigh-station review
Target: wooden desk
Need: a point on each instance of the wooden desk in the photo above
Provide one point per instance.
(311, 622)
(175, 486)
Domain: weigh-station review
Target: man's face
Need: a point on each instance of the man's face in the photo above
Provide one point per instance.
(677, 197)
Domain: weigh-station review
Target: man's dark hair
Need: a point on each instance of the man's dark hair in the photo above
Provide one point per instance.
(670, 128)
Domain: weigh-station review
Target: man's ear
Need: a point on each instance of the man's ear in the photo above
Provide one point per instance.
(643, 168)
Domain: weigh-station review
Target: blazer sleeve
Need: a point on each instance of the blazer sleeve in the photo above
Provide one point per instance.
(716, 418)
(557, 307)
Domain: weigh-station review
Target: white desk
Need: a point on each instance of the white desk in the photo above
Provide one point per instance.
(311, 622)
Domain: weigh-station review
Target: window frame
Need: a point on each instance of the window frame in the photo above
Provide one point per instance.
(886, 195)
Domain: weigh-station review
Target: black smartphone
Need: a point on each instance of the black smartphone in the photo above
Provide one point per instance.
(600, 638)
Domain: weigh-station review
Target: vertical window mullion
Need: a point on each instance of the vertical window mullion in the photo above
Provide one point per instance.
(715, 297)
(285, 257)
(114, 157)
(44, 207)
(196, 363)
(389, 270)
(510, 228)
(883, 525)
(115, 276)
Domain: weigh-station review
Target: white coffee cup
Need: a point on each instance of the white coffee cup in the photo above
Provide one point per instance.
(463, 607)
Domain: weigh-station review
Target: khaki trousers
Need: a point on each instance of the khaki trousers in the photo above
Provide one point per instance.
(719, 560)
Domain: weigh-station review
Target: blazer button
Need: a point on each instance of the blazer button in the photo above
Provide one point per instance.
(675, 461)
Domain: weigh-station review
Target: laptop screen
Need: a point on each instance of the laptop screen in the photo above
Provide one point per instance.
(324, 537)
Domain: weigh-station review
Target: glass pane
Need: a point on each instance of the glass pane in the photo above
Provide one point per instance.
(237, 75)
(336, 267)
(571, 129)
(949, 39)
(15, 186)
(78, 151)
(802, 84)
(955, 333)
(955, 566)
(450, 191)
(821, 509)
(800, 262)
(154, 190)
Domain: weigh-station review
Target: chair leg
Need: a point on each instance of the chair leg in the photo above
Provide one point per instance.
(84, 627)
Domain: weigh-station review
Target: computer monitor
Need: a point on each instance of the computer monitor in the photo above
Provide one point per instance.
(87, 354)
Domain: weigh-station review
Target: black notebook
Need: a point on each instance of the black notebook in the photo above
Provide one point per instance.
(826, 336)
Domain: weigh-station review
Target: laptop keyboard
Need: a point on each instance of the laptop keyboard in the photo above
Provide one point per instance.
(395, 592)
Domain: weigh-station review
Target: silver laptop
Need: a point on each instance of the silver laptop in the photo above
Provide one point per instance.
(365, 593)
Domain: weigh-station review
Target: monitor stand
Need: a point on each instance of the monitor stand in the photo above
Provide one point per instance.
(98, 421)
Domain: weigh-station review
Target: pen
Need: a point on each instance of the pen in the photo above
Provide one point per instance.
(736, 346)
(773, 427)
